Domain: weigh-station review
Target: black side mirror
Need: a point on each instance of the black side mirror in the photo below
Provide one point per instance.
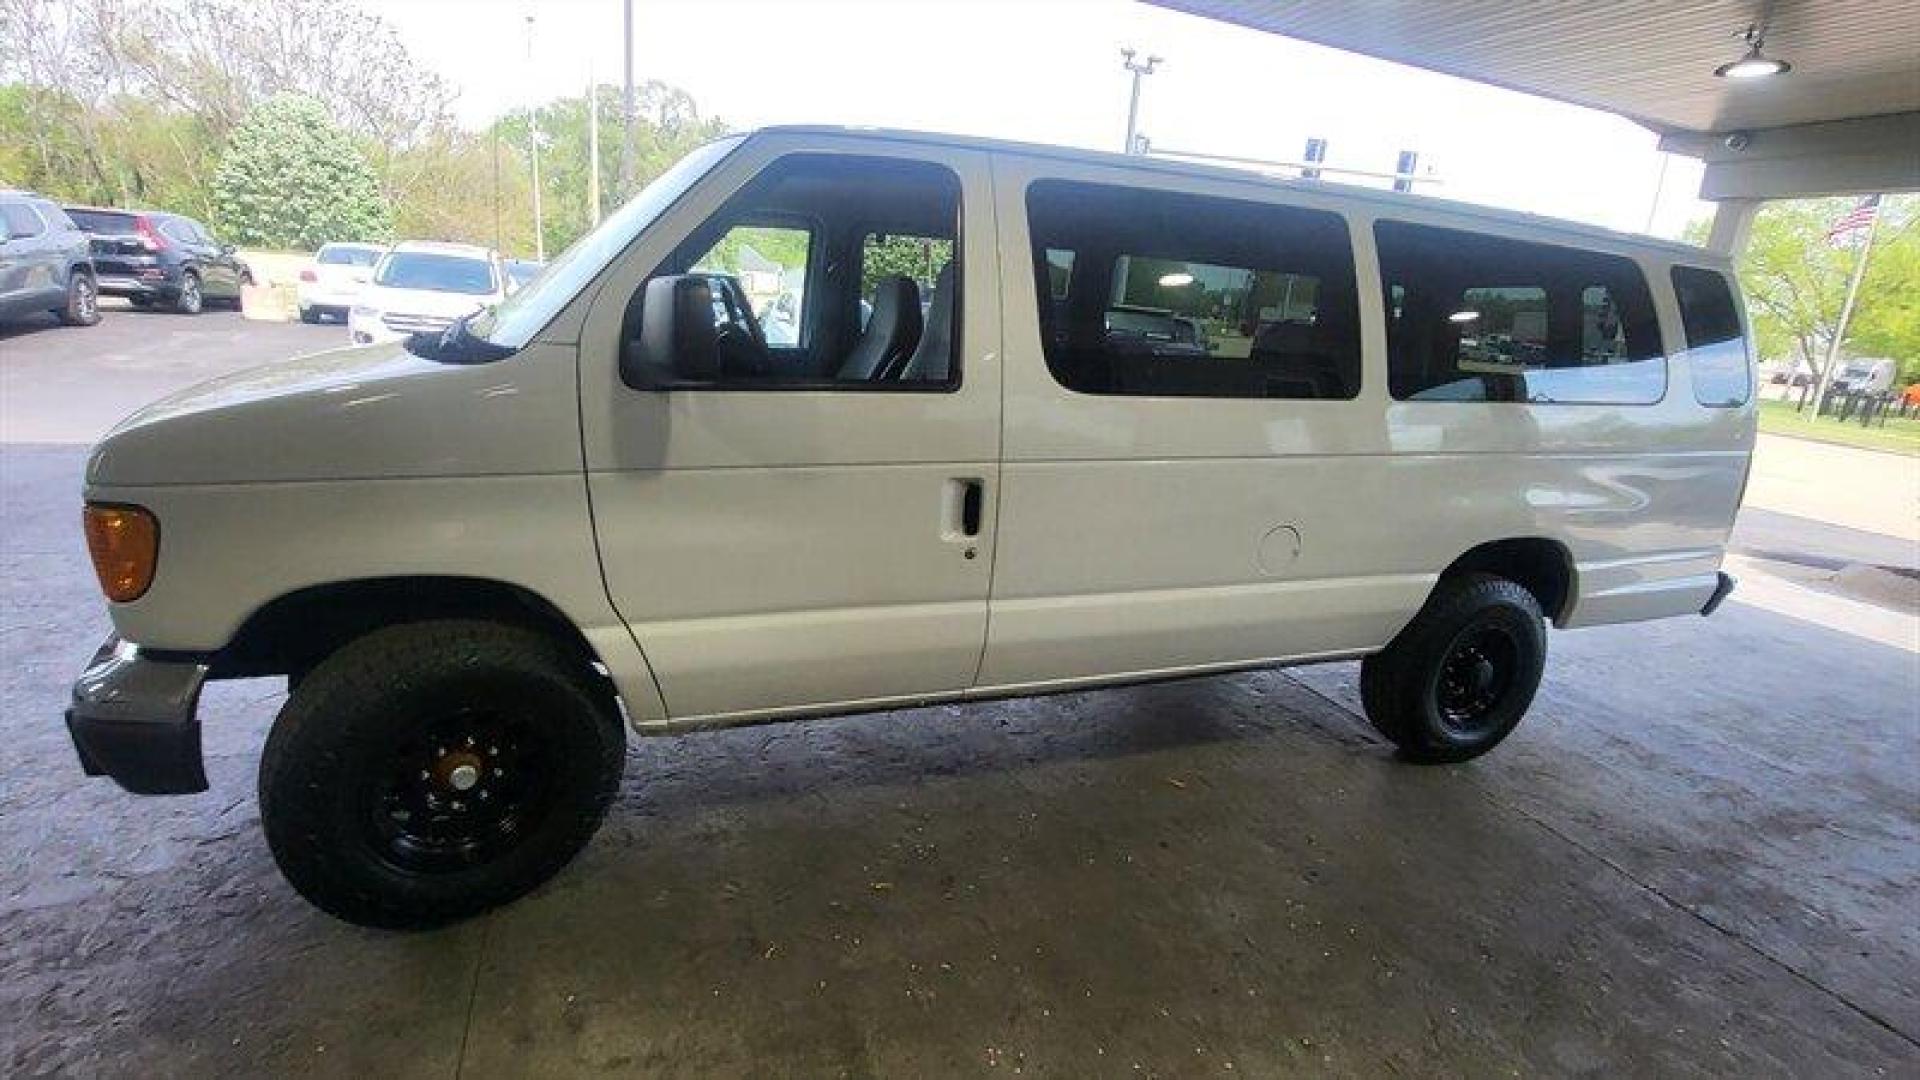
(668, 337)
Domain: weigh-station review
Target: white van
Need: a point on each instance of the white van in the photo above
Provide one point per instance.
(1047, 419)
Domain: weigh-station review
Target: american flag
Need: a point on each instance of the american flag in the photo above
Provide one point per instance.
(1857, 218)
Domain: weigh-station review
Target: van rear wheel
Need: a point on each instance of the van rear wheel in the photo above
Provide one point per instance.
(1458, 679)
(428, 772)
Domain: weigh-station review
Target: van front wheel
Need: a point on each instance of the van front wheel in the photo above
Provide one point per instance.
(427, 772)
(1461, 675)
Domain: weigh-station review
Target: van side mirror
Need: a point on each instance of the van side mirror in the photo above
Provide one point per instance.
(667, 337)
(680, 329)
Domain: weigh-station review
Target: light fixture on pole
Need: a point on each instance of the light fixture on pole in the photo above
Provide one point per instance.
(1753, 65)
(1133, 104)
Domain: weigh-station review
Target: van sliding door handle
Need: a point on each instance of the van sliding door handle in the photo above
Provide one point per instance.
(971, 494)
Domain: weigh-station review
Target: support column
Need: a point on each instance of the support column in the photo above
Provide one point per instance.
(1732, 224)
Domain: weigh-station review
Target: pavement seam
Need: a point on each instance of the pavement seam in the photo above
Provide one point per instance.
(473, 996)
(1727, 932)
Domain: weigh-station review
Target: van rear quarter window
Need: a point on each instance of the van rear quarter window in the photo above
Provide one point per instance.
(1157, 293)
(1472, 317)
(1716, 349)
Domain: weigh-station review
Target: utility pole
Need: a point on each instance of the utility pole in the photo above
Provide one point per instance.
(626, 110)
(593, 150)
(533, 146)
(1133, 104)
(1846, 312)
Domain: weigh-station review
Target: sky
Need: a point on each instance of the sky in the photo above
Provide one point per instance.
(1049, 71)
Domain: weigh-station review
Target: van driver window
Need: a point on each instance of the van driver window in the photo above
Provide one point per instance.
(837, 272)
(1483, 318)
(1162, 294)
(770, 262)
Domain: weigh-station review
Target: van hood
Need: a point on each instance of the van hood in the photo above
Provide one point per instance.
(367, 412)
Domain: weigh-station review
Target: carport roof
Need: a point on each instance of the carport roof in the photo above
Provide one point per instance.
(1651, 61)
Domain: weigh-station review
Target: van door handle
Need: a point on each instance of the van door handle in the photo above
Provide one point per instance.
(967, 496)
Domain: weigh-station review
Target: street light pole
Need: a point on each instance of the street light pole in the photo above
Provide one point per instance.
(593, 150)
(533, 146)
(1133, 103)
(626, 112)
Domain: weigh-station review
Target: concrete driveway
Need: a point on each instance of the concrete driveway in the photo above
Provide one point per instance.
(1699, 856)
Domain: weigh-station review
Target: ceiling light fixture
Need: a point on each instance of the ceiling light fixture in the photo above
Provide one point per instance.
(1463, 316)
(1176, 279)
(1753, 65)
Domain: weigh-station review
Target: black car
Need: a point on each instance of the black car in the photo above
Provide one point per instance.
(151, 257)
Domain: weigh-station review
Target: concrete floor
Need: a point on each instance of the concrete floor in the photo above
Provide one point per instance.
(1699, 856)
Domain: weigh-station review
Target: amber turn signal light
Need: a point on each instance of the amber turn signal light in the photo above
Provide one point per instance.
(125, 544)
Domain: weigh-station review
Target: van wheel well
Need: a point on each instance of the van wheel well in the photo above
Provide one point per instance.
(292, 634)
(1543, 567)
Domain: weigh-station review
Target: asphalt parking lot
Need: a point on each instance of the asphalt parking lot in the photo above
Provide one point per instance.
(1699, 856)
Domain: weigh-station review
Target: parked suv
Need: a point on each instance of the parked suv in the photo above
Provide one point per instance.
(613, 503)
(422, 286)
(151, 258)
(45, 264)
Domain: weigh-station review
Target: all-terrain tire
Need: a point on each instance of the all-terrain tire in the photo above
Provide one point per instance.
(358, 796)
(1461, 675)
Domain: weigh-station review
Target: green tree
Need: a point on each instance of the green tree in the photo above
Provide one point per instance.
(917, 257)
(667, 124)
(1796, 281)
(291, 179)
(1886, 320)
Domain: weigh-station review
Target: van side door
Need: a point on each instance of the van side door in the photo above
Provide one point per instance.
(1191, 450)
(808, 521)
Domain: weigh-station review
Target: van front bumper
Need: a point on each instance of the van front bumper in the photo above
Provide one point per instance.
(135, 718)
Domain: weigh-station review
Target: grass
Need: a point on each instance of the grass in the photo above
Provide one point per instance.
(1900, 436)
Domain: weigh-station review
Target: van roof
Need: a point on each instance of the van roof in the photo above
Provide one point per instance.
(1169, 166)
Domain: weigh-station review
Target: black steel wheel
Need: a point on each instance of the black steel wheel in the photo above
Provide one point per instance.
(462, 791)
(427, 772)
(1462, 674)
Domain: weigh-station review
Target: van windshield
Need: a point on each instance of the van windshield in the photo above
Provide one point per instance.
(514, 322)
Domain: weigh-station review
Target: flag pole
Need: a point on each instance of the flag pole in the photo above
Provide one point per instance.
(1846, 313)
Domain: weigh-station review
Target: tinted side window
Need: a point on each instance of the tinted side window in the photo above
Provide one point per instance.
(1159, 293)
(1484, 318)
(1716, 350)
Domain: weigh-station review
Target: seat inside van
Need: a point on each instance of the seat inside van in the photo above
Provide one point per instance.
(848, 264)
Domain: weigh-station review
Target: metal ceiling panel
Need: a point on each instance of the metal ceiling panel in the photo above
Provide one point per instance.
(1648, 60)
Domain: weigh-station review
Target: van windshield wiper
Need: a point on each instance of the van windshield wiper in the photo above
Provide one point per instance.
(457, 344)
